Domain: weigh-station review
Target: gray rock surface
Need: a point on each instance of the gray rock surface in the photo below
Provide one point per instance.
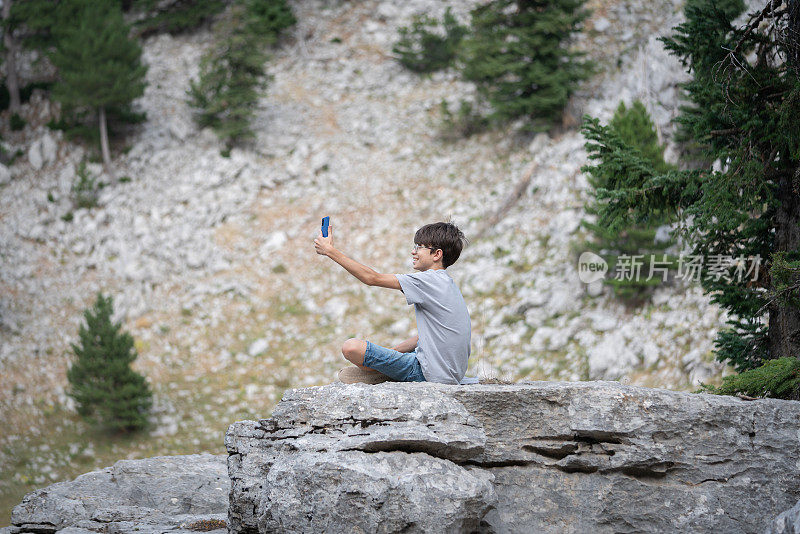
(531, 457)
(35, 156)
(5, 175)
(168, 493)
(356, 491)
(787, 522)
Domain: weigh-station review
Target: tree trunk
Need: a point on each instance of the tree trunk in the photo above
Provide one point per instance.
(793, 41)
(104, 138)
(784, 321)
(10, 44)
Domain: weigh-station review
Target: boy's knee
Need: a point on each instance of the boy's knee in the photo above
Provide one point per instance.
(354, 349)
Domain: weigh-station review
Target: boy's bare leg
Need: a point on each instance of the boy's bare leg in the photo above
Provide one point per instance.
(354, 350)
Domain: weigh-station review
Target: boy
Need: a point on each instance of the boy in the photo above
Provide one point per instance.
(441, 350)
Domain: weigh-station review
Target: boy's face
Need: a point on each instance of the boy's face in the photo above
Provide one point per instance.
(423, 257)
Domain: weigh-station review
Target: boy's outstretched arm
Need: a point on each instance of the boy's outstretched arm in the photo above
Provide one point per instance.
(324, 246)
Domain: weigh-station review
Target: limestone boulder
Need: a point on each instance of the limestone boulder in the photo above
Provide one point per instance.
(373, 492)
(530, 457)
(148, 495)
(787, 522)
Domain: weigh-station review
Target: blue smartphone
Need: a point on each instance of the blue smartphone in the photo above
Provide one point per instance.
(325, 223)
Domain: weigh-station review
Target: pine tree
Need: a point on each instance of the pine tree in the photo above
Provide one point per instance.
(637, 130)
(635, 244)
(232, 74)
(518, 55)
(231, 77)
(99, 66)
(226, 93)
(105, 388)
(744, 95)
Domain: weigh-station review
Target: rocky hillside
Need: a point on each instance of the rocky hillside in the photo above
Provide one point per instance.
(211, 259)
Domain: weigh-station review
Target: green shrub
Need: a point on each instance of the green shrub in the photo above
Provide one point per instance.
(16, 122)
(266, 20)
(429, 44)
(466, 121)
(107, 391)
(24, 93)
(777, 378)
(86, 188)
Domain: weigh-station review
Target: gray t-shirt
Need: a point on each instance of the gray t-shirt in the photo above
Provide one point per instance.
(442, 322)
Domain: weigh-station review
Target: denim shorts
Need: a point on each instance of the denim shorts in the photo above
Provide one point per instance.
(401, 366)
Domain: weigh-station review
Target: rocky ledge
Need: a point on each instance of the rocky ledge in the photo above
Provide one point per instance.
(176, 494)
(531, 457)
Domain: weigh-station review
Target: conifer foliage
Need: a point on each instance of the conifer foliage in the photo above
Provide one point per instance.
(636, 244)
(425, 47)
(175, 16)
(232, 73)
(35, 22)
(518, 54)
(776, 378)
(744, 95)
(107, 391)
(99, 66)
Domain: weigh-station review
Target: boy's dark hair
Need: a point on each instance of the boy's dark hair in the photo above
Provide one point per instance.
(443, 235)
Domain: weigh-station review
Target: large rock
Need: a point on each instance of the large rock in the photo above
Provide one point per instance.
(355, 491)
(43, 152)
(532, 457)
(5, 175)
(143, 496)
(786, 523)
(379, 460)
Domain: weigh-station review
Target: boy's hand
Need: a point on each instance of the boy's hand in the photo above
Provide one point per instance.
(324, 245)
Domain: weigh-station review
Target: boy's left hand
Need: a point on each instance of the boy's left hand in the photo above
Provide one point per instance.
(324, 245)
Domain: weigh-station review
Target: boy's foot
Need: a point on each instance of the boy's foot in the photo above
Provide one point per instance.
(354, 375)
